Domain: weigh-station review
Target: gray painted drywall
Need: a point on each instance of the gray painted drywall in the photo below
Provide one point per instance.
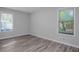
(20, 23)
(44, 24)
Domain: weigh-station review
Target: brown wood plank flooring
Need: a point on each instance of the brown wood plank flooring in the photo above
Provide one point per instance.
(31, 43)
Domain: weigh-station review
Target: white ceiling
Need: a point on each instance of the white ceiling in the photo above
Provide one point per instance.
(26, 9)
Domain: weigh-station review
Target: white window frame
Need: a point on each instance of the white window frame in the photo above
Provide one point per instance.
(0, 21)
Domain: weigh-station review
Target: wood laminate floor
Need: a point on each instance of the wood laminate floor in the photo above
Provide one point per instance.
(31, 43)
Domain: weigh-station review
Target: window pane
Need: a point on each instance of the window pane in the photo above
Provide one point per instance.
(6, 22)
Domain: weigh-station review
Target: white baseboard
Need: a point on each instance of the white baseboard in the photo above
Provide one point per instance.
(76, 46)
(13, 36)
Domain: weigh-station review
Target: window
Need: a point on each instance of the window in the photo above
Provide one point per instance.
(6, 22)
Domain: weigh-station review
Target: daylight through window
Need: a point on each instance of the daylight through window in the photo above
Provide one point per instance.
(6, 22)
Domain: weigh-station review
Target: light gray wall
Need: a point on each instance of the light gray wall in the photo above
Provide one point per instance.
(20, 23)
(44, 24)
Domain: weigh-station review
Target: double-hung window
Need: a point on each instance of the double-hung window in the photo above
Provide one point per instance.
(6, 22)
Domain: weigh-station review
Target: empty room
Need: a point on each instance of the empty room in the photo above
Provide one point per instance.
(39, 29)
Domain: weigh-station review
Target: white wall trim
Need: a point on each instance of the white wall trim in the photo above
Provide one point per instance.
(43, 38)
(76, 46)
(13, 36)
